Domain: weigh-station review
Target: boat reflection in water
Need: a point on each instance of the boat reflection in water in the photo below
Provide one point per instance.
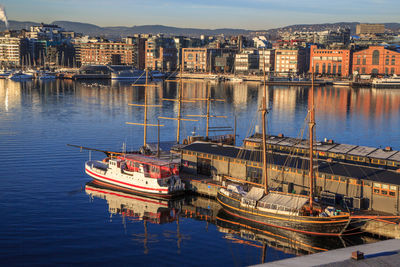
(157, 211)
(290, 242)
(139, 208)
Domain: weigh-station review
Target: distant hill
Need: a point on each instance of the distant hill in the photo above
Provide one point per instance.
(121, 31)
(328, 26)
(17, 25)
(91, 29)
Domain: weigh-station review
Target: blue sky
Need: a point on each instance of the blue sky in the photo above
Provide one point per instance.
(245, 14)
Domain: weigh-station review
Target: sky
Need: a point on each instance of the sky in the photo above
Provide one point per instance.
(210, 14)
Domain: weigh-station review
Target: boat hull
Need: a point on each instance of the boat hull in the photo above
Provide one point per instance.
(303, 224)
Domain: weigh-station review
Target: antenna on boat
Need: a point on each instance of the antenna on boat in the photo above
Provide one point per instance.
(264, 112)
(311, 126)
(145, 105)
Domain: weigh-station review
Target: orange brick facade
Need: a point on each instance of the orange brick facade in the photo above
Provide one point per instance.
(376, 60)
(330, 61)
(102, 53)
(195, 59)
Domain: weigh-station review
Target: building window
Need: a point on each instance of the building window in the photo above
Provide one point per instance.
(392, 71)
(358, 60)
(375, 57)
(386, 71)
(362, 70)
(375, 71)
(317, 68)
(364, 60)
(339, 71)
(329, 68)
(323, 68)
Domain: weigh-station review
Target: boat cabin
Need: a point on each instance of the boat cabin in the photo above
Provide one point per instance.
(153, 167)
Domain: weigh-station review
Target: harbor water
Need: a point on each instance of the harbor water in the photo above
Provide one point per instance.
(51, 215)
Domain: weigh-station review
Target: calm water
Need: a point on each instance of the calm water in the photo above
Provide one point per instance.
(50, 216)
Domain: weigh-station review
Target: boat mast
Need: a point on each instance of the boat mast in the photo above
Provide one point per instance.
(208, 109)
(264, 131)
(145, 113)
(180, 92)
(208, 115)
(311, 126)
(179, 100)
(145, 105)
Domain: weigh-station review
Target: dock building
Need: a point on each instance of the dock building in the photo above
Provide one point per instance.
(359, 186)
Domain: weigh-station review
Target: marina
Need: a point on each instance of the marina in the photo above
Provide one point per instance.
(75, 105)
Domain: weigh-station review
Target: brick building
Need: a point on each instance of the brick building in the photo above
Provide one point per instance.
(107, 53)
(376, 60)
(330, 61)
(196, 59)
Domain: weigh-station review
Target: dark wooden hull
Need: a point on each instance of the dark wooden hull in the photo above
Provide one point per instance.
(327, 226)
(286, 240)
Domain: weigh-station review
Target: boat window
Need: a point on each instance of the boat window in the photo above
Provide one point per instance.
(377, 185)
(385, 186)
(392, 187)
(384, 192)
(376, 191)
(392, 194)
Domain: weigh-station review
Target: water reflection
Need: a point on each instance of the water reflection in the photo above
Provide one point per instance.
(261, 236)
(139, 209)
(347, 115)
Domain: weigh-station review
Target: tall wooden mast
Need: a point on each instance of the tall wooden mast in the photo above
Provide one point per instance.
(179, 100)
(311, 126)
(208, 115)
(145, 105)
(264, 132)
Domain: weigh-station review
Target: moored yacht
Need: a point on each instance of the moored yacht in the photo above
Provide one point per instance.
(139, 174)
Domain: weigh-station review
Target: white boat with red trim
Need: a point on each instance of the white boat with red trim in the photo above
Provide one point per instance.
(138, 173)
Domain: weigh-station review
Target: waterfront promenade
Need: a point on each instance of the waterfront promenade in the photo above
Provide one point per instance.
(384, 253)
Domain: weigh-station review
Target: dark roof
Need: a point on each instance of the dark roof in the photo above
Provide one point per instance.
(331, 168)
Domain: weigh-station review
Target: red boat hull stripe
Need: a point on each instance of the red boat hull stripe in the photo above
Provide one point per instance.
(118, 182)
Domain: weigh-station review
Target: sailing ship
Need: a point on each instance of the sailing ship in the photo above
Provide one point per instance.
(291, 212)
(138, 173)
